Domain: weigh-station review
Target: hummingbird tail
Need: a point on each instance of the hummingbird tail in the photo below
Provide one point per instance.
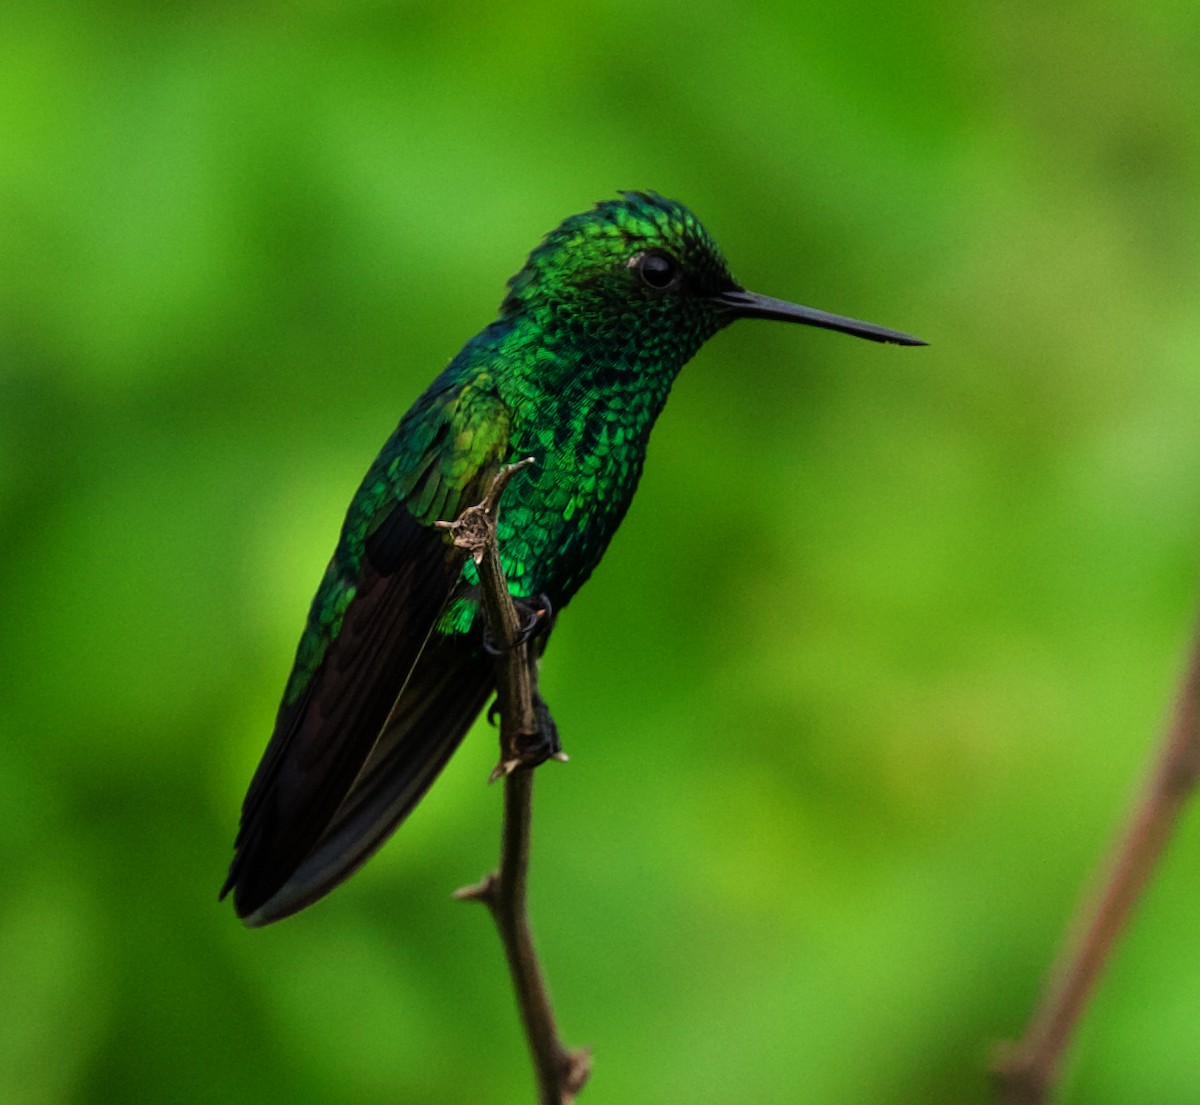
(443, 696)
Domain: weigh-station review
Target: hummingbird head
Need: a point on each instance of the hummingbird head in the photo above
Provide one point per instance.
(640, 260)
(643, 264)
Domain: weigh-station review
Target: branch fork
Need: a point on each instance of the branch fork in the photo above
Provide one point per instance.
(527, 738)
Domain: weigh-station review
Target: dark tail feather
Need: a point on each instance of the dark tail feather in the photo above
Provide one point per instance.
(444, 695)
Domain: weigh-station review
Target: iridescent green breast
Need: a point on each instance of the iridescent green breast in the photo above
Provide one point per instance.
(559, 516)
(583, 409)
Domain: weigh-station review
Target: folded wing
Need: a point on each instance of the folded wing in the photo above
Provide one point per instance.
(379, 697)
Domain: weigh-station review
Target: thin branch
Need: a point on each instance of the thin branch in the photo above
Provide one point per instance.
(1028, 1071)
(561, 1073)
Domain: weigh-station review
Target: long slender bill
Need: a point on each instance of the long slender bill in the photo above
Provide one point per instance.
(746, 304)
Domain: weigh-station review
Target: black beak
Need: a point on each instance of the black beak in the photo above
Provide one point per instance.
(744, 304)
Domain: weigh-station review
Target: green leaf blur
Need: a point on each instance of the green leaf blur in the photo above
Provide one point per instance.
(862, 688)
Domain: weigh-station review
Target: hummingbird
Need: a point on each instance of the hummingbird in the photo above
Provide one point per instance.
(393, 665)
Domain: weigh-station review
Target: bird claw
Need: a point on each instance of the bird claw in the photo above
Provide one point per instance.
(536, 616)
(532, 747)
(543, 744)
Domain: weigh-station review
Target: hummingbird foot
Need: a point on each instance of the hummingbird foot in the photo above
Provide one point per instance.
(537, 616)
(548, 746)
(529, 748)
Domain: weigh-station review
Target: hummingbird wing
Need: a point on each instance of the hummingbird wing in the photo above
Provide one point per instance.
(373, 618)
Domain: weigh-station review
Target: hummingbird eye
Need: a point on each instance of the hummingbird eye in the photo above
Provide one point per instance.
(659, 271)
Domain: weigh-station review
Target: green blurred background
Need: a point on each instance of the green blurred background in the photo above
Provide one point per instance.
(862, 688)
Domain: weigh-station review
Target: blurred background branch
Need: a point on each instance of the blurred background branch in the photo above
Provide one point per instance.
(1028, 1071)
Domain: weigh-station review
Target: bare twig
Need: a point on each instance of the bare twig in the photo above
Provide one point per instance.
(1027, 1072)
(561, 1073)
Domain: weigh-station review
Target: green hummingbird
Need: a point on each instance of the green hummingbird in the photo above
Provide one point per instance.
(393, 665)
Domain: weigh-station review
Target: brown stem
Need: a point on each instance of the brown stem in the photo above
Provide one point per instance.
(1028, 1071)
(561, 1073)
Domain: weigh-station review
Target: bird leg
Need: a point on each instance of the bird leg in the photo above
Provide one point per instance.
(527, 747)
(531, 749)
(535, 618)
(533, 746)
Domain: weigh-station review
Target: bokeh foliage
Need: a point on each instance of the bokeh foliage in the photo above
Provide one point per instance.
(863, 686)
